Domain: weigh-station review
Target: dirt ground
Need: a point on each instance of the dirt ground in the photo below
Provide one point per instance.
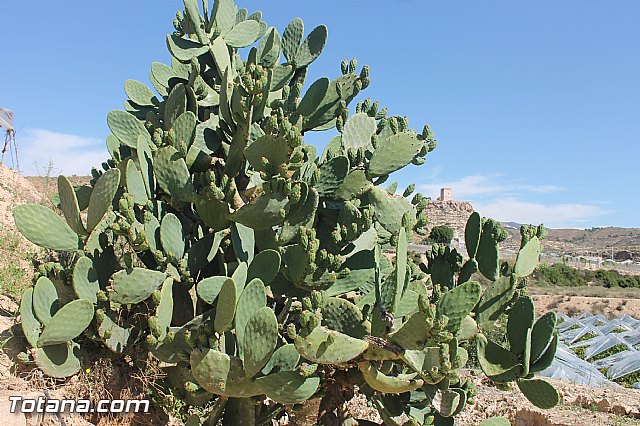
(576, 305)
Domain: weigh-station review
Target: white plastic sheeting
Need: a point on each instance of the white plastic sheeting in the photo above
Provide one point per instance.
(567, 366)
(624, 330)
(6, 119)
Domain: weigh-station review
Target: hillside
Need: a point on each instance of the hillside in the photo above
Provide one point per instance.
(615, 243)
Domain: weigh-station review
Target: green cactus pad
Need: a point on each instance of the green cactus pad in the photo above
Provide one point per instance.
(389, 210)
(539, 393)
(164, 313)
(61, 360)
(273, 148)
(85, 280)
(102, 197)
(126, 127)
(239, 276)
(260, 339)
(185, 127)
(288, 387)
(171, 237)
(472, 233)
(135, 285)
(324, 346)
(447, 402)
(358, 131)
(43, 227)
(499, 364)
(139, 93)
(28, 321)
(457, 303)
(45, 300)
(152, 229)
(332, 174)
(313, 96)
(68, 323)
(345, 317)
(355, 185)
(263, 213)
(265, 265)
(388, 384)
(226, 306)
(243, 34)
(221, 374)
(203, 251)
(413, 333)
(69, 205)
(145, 161)
(209, 288)
(160, 76)
(488, 252)
(494, 301)
(175, 105)
(135, 183)
(300, 214)
(312, 47)
(401, 268)
(269, 49)
(520, 324)
(469, 268)
(425, 361)
(285, 358)
(114, 336)
(394, 153)
(172, 174)
(291, 39)
(252, 298)
(544, 361)
(213, 212)
(244, 241)
(183, 49)
(528, 258)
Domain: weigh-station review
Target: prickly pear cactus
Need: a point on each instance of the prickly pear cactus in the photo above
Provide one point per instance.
(221, 242)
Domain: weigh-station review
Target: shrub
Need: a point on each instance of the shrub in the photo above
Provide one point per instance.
(220, 242)
(441, 234)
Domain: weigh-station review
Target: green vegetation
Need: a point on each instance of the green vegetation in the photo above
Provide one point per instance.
(587, 336)
(629, 380)
(562, 275)
(581, 352)
(616, 349)
(441, 234)
(250, 267)
(13, 259)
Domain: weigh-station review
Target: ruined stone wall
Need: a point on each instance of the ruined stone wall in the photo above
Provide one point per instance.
(454, 214)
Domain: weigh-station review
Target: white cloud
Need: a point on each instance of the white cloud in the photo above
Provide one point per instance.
(69, 154)
(481, 185)
(552, 215)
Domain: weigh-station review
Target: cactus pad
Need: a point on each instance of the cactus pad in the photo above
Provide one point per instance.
(539, 393)
(43, 227)
(68, 323)
(135, 285)
(85, 280)
(324, 346)
(261, 336)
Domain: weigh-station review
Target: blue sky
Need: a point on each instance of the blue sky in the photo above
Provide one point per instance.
(536, 105)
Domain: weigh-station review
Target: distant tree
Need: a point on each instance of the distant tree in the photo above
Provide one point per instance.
(441, 234)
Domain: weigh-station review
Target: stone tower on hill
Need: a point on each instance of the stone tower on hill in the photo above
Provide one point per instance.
(447, 211)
